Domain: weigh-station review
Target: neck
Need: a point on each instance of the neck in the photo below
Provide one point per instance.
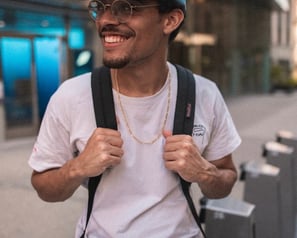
(141, 81)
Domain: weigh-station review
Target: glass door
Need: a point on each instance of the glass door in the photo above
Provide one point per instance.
(30, 75)
(47, 54)
(18, 80)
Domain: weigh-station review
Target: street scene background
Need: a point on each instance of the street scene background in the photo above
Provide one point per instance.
(248, 48)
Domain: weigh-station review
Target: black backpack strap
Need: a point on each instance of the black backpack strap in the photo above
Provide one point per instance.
(103, 98)
(184, 122)
(185, 103)
(105, 117)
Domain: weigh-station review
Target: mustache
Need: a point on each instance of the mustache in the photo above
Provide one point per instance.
(115, 29)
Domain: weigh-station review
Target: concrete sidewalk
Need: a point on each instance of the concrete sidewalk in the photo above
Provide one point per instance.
(24, 215)
(258, 118)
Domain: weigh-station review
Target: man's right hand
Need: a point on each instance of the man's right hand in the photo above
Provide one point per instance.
(103, 150)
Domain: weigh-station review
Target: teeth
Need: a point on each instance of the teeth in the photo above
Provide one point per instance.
(114, 39)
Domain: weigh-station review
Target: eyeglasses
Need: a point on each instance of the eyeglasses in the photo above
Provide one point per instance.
(122, 10)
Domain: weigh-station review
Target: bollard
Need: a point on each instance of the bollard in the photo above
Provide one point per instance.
(262, 188)
(282, 156)
(228, 217)
(289, 139)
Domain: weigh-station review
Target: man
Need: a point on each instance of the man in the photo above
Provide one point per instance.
(139, 194)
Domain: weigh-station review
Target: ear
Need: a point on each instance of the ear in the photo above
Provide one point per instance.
(172, 20)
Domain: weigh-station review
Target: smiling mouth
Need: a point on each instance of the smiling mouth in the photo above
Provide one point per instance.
(114, 39)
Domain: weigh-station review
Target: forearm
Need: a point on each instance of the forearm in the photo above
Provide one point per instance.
(57, 184)
(217, 183)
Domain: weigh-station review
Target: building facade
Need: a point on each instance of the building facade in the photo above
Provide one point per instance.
(40, 45)
(240, 49)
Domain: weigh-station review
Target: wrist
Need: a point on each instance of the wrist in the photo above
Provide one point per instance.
(74, 171)
(208, 175)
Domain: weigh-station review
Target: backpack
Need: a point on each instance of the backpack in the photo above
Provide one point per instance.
(105, 117)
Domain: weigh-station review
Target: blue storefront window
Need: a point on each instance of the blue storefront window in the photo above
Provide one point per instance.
(47, 60)
(76, 38)
(42, 39)
(16, 59)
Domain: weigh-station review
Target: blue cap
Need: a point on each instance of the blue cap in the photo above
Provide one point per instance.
(182, 2)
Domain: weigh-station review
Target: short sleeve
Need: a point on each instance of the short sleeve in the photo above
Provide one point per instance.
(52, 147)
(224, 138)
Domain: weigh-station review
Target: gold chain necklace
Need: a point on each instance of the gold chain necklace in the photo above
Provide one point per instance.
(126, 118)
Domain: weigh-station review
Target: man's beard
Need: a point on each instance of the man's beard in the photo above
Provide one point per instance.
(115, 63)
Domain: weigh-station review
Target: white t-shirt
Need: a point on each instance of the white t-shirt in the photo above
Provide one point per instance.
(139, 197)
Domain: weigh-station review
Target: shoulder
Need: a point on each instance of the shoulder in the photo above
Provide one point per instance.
(75, 87)
(202, 84)
(205, 87)
(74, 90)
(207, 91)
(70, 95)
(209, 100)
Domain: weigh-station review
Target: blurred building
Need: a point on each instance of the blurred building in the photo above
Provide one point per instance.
(293, 11)
(236, 43)
(42, 43)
